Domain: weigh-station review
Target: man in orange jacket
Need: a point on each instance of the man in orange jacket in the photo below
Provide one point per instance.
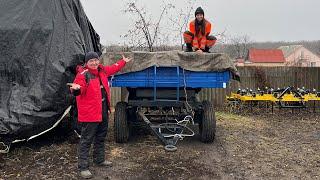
(197, 38)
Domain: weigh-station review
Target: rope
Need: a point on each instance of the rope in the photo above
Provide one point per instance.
(187, 119)
(189, 107)
(55, 124)
(6, 148)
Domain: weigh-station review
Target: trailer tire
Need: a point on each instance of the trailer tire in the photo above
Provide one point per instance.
(207, 126)
(121, 127)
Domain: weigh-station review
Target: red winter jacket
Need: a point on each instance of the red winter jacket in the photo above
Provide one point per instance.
(89, 102)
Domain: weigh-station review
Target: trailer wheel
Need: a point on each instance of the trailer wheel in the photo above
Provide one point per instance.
(198, 116)
(121, 128)
(131, 111)
(207, 126)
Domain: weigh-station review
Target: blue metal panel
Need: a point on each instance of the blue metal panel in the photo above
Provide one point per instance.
(174, 77)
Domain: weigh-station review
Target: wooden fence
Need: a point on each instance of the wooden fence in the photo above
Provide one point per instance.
(254, 77)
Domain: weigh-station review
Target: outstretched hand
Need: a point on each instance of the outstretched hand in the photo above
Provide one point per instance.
(199, 51)
(126, 59)
(74, 86)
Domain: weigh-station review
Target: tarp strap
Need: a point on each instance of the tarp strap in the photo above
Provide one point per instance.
(7, 147)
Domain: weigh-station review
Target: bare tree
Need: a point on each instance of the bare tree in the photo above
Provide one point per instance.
(240, 45)
(180, 20)
(246, 41)
(145, 31)
(222, 40)
(149, 33)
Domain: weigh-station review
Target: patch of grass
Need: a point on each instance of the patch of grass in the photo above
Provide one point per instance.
(117, 152)
(227, 115)
(238, 122)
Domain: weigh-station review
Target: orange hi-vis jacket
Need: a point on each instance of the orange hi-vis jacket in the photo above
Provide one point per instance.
(199, 41)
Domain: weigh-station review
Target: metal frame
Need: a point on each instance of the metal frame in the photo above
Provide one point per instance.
(171, 80)
(177, 130)
(169, 140)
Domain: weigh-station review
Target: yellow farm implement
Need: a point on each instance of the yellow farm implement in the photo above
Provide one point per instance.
(283, 98)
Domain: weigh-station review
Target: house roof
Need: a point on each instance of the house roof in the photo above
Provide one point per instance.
(266, 55)
(240, 60)
(287, 50)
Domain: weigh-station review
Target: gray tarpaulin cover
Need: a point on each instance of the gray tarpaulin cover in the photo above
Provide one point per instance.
(41, 42)
(189, 61)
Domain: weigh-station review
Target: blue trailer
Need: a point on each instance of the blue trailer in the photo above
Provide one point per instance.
(165, 98)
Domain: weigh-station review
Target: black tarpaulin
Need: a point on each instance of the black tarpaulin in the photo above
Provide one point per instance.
(40, 44)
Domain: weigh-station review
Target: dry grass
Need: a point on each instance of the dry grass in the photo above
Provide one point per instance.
(260, 146)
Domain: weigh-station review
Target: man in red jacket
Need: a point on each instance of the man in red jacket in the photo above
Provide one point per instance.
(92, 92)
(198, 38)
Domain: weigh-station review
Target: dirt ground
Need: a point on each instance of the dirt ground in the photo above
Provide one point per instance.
(264, 146)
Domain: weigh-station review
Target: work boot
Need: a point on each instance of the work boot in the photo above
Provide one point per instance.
(105, 164)
(188, 48)
(86, 174)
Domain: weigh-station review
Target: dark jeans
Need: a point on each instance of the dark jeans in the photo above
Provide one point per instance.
(93, 133)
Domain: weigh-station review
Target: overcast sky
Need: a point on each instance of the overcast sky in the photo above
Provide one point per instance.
(261, 20)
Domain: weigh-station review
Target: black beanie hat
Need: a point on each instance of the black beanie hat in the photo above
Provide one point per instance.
(91, 55)
(199, 10)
